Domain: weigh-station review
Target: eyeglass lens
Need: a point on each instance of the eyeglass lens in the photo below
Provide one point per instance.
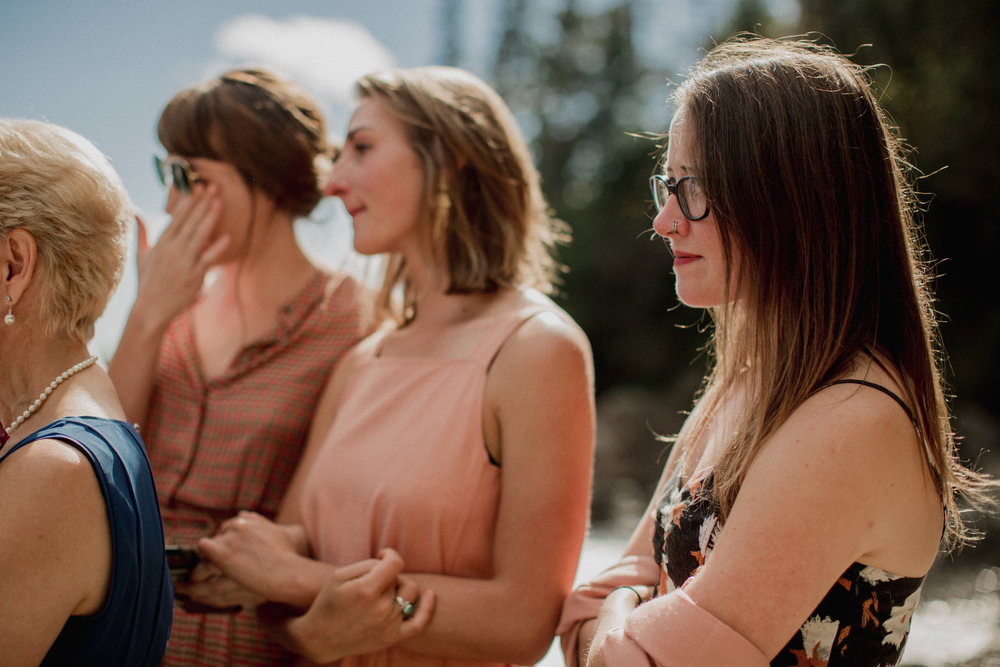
(692, 201)
(173, 172)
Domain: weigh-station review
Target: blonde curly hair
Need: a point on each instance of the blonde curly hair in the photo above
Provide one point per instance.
(57, 186)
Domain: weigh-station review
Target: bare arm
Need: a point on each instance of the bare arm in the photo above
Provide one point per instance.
(636, 568)
(55, 547)
(842, 481)
(540, 394)
(263, 557)
(171, 274)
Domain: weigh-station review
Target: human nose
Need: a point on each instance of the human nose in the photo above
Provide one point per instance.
(335, 183)
(669, 220)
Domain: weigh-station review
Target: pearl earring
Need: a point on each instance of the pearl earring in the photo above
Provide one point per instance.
(8, 319)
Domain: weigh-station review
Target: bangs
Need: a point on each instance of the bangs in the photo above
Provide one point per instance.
(185, 126)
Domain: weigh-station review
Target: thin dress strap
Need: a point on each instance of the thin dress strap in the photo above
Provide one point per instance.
(489, 345)
(884, 390)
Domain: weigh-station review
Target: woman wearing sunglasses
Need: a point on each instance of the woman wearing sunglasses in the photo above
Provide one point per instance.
(461, 436)
(223, 374)
(83, 578)
(809, 490)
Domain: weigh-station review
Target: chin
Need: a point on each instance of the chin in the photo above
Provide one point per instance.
(697, 299)
(367, 249)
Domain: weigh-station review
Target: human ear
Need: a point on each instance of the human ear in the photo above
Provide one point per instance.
(18, 256)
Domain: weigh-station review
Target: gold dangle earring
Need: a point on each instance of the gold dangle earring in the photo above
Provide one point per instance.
(9, 319)
(442, 207)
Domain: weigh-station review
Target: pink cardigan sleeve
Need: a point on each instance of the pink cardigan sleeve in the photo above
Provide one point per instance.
(673, 631)
(585, 601)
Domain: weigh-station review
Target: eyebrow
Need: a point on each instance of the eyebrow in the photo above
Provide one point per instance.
(351, 133)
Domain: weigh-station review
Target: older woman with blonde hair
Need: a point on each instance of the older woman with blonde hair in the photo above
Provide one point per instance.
(83, 576)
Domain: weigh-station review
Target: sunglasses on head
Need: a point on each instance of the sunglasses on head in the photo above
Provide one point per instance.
(177, 172)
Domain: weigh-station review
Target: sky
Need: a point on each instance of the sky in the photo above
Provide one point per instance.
(105, 69)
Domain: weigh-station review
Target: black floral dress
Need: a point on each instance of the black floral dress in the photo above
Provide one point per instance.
(863, 621)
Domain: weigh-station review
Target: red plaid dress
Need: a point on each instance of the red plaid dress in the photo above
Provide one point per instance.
(232, 443)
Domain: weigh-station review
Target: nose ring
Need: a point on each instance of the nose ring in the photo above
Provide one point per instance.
(673, 230)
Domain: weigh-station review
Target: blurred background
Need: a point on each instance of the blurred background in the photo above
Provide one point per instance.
(588, 80)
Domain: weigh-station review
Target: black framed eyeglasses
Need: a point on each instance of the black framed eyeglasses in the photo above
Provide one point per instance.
(177, 172)
(693, 203)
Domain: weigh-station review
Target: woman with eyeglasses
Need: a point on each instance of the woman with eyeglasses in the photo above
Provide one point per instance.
(810, 489)
(83, 577)
(461, 435)
(234, 331)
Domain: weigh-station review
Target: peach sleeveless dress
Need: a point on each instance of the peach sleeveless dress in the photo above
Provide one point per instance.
(405, 466)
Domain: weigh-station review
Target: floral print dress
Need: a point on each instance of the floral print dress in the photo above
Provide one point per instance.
(863, 621)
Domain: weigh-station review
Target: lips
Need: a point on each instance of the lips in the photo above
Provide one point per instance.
(682, 258)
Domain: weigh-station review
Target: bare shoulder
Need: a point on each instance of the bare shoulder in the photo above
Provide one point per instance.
(846, 434)
(862, 419)
(55, 541)
(56, 475)
(551, 332)
(51, 501)
(540, 386)
(851, 454)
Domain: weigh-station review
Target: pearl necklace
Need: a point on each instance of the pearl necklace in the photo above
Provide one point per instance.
(65, 375)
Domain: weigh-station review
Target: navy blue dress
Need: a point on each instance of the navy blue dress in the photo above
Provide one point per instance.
(133, 626)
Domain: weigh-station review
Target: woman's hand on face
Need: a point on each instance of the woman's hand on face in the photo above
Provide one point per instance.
(252, 551)
(356, 612)
(171, 273)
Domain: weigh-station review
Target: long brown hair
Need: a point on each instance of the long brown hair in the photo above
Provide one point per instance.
(811, 188)
(484, 206)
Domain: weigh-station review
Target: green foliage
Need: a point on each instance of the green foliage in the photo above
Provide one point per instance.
(581, 88)
(583, 93)
(941, 85)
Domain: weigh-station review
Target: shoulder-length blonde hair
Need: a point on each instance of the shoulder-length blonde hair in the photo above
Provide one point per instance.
(57, 186)
(812, 192)
(485, 212)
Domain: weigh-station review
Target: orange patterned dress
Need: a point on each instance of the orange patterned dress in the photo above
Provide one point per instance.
(232, 443)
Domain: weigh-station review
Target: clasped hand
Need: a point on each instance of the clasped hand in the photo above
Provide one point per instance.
(319, 610)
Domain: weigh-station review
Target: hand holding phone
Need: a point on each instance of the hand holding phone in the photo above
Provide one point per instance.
(181, 561)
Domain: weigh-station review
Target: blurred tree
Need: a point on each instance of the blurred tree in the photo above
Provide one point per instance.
(580, 94)
(579, 89)
(942, 86)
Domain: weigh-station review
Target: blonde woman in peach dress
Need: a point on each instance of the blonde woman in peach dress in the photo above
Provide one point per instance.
(446, 485)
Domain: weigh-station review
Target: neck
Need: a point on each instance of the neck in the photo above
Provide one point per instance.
(437, 308)
(272, 270)
(31, 375)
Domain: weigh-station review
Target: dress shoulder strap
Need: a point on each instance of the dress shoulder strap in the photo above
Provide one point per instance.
(489, 345)
(888, 392)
